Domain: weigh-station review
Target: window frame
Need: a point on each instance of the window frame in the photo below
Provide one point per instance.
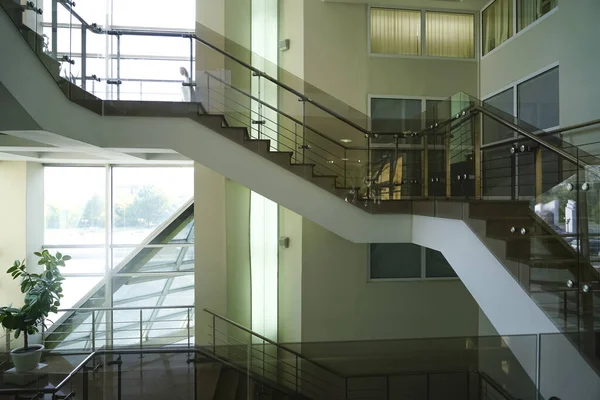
(422, 278)
(423, 99)
(515, 31)
(423, 55)
(515, 86)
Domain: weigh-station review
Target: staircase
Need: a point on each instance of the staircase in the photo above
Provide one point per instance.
(552, 256)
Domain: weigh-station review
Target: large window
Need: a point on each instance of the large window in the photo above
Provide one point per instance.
(130, 233)
(528, 11)
(149, 67)
(450, 34)
(399, 32)
(497, 24)
(398, 261)
(395, 31)
(538, 100)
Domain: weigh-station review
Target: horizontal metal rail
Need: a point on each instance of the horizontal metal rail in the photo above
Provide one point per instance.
(533, 137)
(279, 346)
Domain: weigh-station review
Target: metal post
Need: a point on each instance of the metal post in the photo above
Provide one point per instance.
(83, 57)
(425, 166)
(303, 128)
(538, 365)
(513, 175)
(192, 98)
(141, 333)
(7, 338)
(93, 331)
(43, 333)
(345, 168)
(208, 94)
(85, 383)
(119, 383)
(118, 67)
(387, 387)
(54, 29)
(214, 338)
(538, 174)
(189, 338)
(297, 372)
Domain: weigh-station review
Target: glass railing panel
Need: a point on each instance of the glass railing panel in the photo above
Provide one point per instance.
(569, 357)
(506, 366)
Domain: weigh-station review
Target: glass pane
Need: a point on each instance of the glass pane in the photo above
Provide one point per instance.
(497, 24)
(76, 289)
(529, 11)
(395, 261)
(145, 197)
(450, 35)
(492, 130)
(74, 200)
(395, 31)
(436, 265)
(538, 100)
(83, 261)
(395, 115)
(180, 14)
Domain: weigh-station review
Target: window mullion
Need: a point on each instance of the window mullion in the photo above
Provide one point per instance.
(423, 28)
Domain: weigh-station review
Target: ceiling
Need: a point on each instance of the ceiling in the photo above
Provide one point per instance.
(471, 5)
(18, 146)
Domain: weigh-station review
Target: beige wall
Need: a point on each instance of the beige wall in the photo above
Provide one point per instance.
(210, 248)
(339, 304)
(569, 36)
(290, 277)
(337, 60)
(13, 186)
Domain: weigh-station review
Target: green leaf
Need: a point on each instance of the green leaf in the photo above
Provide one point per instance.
(11, 269)
(58, 255)
(41, 262)
(37, 253)
(66, 258)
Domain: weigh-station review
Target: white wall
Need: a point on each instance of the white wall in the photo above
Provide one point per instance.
(13, 214)
(570, 37)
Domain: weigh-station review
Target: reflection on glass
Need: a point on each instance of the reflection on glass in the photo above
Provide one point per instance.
(83, 260)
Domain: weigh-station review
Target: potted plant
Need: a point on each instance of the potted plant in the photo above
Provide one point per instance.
(42, 296)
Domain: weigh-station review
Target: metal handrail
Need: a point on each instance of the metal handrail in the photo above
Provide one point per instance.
(571, 127)
(126, 308)
(495, 386)
(279, 346)
(532, 136)
(275, 109)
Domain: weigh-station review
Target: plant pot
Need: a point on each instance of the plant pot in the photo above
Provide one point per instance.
(25, 361)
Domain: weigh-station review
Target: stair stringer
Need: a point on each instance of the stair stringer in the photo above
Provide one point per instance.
(63, 121)
(564, 372)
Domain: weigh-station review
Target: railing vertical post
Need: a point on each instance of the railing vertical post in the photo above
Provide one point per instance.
(83, 57)
(387, 387)
(43, 333)
(141, 334)
(476, 123)
(345, 168)
(346, 388)
(189, 338)
(538, 364)
(85, 383)
(54, 29)
(93, 331)
(208, 96)
(538, 174)
(119, 383)
(214, 338)
(192, 67)
(297, 372)
(118, 67)
(425, 166)
(7, 338)
(303, 127)
(513, 175)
